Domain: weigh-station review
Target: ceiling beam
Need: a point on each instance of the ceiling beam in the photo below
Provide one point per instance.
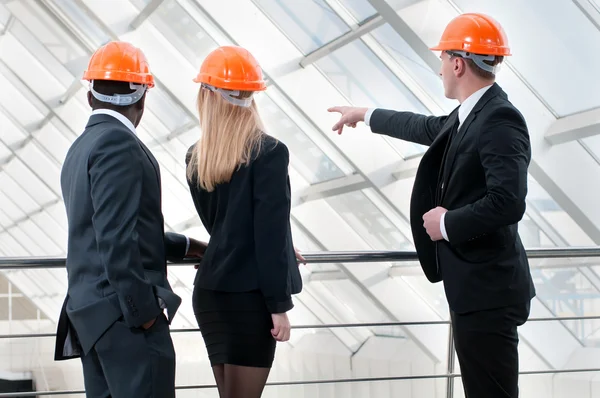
(574, 127)
(411, 38)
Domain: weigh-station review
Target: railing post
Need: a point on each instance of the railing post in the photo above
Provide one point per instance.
(450, 384)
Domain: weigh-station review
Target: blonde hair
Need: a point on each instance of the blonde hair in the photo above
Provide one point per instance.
(231, 134)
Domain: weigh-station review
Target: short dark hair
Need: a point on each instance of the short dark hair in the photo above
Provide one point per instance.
(112, 87)
(484, 74)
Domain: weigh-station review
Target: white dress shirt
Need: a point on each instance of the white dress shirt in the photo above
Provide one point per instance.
(131, 127)
(463, 112)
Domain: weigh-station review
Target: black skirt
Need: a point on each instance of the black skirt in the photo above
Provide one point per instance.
(236, 327)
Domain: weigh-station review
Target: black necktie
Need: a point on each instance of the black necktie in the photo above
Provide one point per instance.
(442, 174)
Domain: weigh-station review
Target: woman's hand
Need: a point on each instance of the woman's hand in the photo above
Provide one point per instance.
(299, 257)
(281, 327)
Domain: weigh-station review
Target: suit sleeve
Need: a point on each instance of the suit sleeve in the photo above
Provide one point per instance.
(272, 205)
(175, 246)
(116, 189)
(505, 153)
(407, 126)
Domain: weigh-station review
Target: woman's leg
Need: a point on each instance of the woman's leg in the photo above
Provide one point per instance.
(244, 381)
(219, 372)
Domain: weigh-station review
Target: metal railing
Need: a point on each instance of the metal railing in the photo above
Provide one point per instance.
(14, 263)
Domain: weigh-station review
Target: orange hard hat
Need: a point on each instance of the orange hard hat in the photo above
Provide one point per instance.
(119, 61)
(231, 68)
(475, 33)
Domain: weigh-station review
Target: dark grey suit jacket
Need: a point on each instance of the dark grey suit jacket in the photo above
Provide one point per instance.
(483, 185)
(117, 248)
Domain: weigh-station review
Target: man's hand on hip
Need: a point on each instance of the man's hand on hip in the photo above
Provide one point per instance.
(431, 222)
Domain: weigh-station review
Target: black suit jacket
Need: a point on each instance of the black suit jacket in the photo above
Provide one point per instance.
(248, 220)
(483, 186)
(117, 248)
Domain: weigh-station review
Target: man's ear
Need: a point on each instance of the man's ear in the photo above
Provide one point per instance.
(90, 99)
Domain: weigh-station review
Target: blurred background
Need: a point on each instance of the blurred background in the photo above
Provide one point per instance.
(350, 192)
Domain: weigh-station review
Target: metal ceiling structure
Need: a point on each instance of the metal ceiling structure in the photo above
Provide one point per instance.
(351, 192)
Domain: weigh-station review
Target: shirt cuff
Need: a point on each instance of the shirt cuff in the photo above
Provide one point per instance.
(443, 227)
(368, 116)
(187, 245)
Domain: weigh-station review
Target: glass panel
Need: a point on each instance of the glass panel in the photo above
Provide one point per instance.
(360, 9)
(83, 21)
(45, 169)
(433, 293)
(319, 355)
(42, 238)
(45, 54)
(177, 203)
(304, 243)
(23, 64)
(55, 143)
(171, 156)
(408, 59)
(58, 214)
(570, 287)
(15, 104)
(31, 246)
(557, 219)
(366, 81)
(532, 235)
(75, 112)
(321, 299)
(17, 195)
(190, 137)
(183, 32)
(306, 157)
(167, 112)
(12, 134)
(56, 232)
(9, 207)
(368, 221)
(25, 177)
(10, 245)
(5, 153)
(5, 219)
(49, 32)
(309, 24)
(565, 96)
(4, 16)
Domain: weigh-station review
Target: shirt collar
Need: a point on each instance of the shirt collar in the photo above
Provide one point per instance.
(117, 116)
(467, 106)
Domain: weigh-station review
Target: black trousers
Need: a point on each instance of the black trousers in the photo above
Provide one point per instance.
(486, 346)
(131, 363)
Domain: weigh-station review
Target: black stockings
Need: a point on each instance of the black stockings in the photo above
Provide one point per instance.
(240, 381)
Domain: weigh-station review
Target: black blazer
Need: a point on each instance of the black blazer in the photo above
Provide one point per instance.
(483, 186)
(117, 247)
(248, 219)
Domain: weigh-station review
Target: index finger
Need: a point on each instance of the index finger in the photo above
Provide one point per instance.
(337, 109)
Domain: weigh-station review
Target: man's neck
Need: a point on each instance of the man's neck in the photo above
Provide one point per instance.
(472, 88)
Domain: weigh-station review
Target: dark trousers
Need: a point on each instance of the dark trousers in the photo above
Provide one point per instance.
(128, 363)
(486, 346)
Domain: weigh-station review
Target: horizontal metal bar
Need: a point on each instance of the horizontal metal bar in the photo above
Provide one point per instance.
(365, 27)
(336, 326)
(319, 257)
(312, 382)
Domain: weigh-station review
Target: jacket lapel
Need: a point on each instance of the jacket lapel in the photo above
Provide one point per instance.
(443, 137)
(460, 134)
